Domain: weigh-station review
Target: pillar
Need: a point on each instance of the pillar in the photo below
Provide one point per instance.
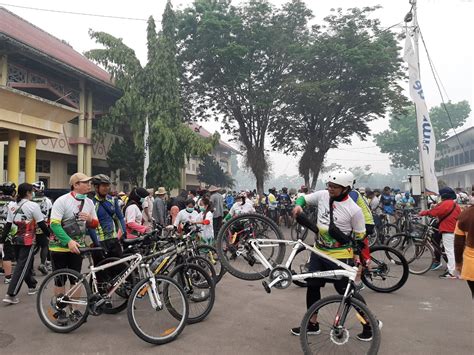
(30, 158)
(3, 69)
(2, 152)
(81, 122)
(13, 163)
(88, 148)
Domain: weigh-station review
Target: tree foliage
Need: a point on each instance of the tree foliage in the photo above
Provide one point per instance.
(211, 173)
(125, 156)
(401, 139)
(346, 77)
(236, 60)
(151, 91)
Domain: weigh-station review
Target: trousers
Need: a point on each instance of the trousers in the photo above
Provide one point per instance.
(23, 269)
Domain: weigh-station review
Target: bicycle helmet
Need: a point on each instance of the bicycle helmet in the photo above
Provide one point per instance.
(341, 177)
(284, 189)
(8, 188)
(100, 179)
(38, 186)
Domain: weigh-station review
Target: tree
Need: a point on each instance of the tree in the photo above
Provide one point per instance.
(237, 59)
(211, 173)
(346, 78)
(401, 139)
(125, 156)
(151, 92)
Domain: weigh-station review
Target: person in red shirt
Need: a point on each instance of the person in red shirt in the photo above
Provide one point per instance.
(447, 212)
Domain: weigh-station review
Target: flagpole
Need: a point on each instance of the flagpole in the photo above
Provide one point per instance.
(146, 160)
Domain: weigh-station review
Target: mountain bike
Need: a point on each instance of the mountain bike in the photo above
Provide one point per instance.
(157, 307)
(340, 317)
(298, 231)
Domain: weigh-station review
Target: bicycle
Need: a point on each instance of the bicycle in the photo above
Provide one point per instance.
(348, 313)
(157, 310)
(298, 231)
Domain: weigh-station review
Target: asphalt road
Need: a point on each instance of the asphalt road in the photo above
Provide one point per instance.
(427, 316)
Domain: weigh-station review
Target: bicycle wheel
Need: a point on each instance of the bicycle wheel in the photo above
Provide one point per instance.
(389, 229)
(396, 241)
(205, 264)
(388, 270)
(153, 316)
(297, 231)
(210, 253)
(373, 238)
(420, 257)
(105, 281)
(235, 252)
(199, 289)
(63, 300)
(299, 265)
(355, 319)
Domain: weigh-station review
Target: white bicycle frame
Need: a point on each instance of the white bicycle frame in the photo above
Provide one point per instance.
(347, 271)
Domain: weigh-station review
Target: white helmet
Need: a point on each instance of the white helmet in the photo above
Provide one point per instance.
(38, 186)
(341, 177)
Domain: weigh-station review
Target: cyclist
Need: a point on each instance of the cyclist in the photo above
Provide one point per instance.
(133, 213)
(242, 205)
(205, 218)
(272, 204)
(23, 216)
(387, 201)
(42, 242)
(7, 198)
(284, 202)
(111, 226)
(339, 218)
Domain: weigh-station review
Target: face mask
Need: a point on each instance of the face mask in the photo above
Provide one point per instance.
(142, 200)
(33, 195)
(190, 209)
(202, 209)
(81, 196)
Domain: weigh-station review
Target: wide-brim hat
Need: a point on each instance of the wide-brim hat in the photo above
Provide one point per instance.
(161, 191)
(213, 188)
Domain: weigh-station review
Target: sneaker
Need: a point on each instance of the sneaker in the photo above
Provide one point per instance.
(61, 318)
(33, 291)
(366, 334)
(49, 266)
(11, 299)
(448, 275)
(7, 280)
(313, 328)
(436, 266)
(42, 268)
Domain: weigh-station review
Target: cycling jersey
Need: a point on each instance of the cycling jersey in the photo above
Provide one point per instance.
(387, 202)
(284, 199)
(111, 221)
(363, 204)
(45, 206)
(272, 201)
(348, 217)
(23, 216)
(239, 208)
(185, 216)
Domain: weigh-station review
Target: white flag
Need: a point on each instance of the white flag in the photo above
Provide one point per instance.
(146, 161)
(426, 137)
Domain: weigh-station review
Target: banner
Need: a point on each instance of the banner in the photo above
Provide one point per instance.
(146, 161)
(426, 137)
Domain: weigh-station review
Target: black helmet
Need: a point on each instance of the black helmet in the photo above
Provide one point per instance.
(285, 189)
(100, 179)
(8, 188)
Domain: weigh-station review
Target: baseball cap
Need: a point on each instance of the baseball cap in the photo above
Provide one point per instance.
(79, 177)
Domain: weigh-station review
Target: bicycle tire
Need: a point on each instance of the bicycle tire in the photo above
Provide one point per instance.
(420, 250)
(389, 229)
(205, 264)
(131, 309)
(395, 241)
(203, 250)
(221, 244)
(297, 231)
(300, 283)
(45, 318)
(376, 336)
(195, 318)
(402, 261)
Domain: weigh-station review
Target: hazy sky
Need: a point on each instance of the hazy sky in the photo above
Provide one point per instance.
(447, 26)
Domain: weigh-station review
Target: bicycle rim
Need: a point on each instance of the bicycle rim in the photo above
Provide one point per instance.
(163, 323)
(422, 260)
(62, 301)
(299, 265)
(341, 340)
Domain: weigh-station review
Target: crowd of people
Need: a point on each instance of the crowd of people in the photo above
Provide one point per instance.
(91, 214)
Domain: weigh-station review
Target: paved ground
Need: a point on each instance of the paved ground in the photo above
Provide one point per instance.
(427, 316)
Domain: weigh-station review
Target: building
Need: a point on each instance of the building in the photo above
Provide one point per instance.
(455, 164)
(50, 98)
(222, 153)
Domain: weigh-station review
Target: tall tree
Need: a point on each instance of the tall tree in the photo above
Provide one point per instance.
(346, 78)
(237, 59)
(211, 173)
(151, 92)
(401, 139)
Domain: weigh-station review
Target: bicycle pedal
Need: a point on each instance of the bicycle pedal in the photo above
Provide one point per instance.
(266, 287)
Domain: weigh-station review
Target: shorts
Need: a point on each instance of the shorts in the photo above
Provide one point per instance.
(317, 263)
(65, 260)
(8, 251)
(42, 241)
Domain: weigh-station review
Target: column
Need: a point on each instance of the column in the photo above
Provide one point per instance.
(2, 152)
(88, 153)
(13, 163)
(3, 69)
(30, 158)
(81, 122)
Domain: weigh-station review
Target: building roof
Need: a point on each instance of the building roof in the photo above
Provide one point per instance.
(205, 133)
(17, 29)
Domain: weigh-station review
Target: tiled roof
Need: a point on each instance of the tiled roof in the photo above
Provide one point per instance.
(17, 28)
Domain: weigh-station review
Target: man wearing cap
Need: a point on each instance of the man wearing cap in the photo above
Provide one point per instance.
(217, 202)
(71, 215)
(160, 212)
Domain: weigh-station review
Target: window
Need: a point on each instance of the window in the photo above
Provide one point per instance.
(456, 160)
(461, 159)
(472, 156)
(71, 168)
(451, 161)
(43, 166)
